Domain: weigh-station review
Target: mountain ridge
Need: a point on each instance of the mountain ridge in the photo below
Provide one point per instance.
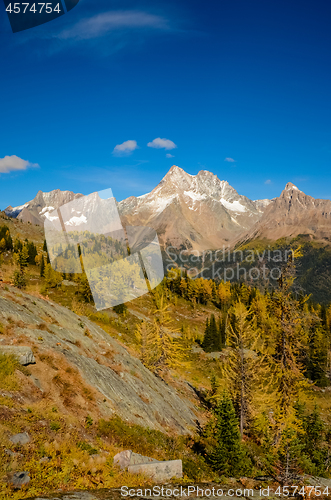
(200, 212)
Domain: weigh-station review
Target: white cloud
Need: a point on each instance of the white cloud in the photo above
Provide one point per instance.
(125, 149)
(230, 160)
(162, 144)
(14, 164)
(168, 155)
(268, 181)
(102, 24)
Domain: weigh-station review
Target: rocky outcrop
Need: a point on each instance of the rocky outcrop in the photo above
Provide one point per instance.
(21, 439)
(150, 467)
(23, 354)
(159, 472)
(20, 479)
(121, 384)
(127, 457)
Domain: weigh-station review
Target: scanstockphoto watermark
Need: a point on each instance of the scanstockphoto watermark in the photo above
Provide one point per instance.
(171, 491)
(228, 265)
(182, 492)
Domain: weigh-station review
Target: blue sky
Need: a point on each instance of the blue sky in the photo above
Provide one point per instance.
(243, 80)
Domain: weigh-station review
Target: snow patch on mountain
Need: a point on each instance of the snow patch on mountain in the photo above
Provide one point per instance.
(195, 196)
(234, 206)
(76, 221)
(50, 217)
(46, 209)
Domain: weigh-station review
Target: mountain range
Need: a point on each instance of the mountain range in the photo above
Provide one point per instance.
(203, 212)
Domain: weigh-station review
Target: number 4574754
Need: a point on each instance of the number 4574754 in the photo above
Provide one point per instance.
(36, 8)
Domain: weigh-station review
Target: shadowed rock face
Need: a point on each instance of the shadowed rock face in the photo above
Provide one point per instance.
(118, 392)
(23, 354)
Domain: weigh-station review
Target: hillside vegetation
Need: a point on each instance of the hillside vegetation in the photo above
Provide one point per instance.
(252, 367)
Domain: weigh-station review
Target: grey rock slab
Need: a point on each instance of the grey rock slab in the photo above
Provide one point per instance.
(160, 471)
(37, 383)
(127, 457)
(78, 495)
(123, 458)
(320, 481)
(140, 459)
(214, 355)
(69, 283)
(19, 479)
(22, 438)
(94, 356)
(23, 354)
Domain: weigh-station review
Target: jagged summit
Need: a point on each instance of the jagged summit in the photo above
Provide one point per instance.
(290, 186)
(199, 211)
(290, 189)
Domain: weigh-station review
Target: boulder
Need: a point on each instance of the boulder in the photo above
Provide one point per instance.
(159, 472)
(23, 354)
(13, 454)
(214, 355)
(19, 479)
(123, 458)
(69, 283)
(127, 457)
(22, 438)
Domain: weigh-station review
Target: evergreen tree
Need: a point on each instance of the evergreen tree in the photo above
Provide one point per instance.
(214, 334)
(290, 457)
(228, 456)
(21, 258)
(211, 341)
(317, 356)
(42, 267)
(206, 343)
(32, 251)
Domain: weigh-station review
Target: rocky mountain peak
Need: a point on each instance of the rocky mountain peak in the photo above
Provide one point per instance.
(37, 209)
(290, 188)
(199, 211)
(293, 213)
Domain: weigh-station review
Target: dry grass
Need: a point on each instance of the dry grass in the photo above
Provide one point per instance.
(8, 367)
